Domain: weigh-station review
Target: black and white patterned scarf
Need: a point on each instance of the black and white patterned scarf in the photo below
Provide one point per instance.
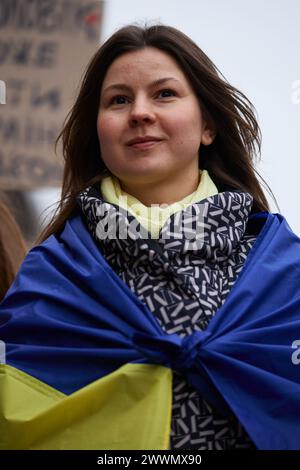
(183, 277)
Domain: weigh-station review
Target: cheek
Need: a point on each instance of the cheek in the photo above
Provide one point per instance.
(185, 127)
(109, 135)
(186, 118)
(106, 129)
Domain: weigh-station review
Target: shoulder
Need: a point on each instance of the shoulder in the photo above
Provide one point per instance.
(57, 261)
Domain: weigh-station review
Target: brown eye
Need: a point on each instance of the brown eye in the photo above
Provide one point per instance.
(167, 92)
(118, 99)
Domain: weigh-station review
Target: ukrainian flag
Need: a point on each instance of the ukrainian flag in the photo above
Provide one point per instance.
(87, 365)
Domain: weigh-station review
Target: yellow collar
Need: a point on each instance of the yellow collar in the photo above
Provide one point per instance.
(153, 218)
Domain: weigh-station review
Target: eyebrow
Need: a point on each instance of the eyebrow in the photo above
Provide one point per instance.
(123, 86)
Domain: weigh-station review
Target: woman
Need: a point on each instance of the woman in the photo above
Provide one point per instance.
(123, 329)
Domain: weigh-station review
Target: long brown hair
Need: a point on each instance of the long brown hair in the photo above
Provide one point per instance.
(229, 159)
(12, 249)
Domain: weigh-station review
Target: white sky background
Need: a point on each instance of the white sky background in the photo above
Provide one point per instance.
(256, 46)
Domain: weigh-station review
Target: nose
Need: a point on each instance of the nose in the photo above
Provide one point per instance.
(141, 112)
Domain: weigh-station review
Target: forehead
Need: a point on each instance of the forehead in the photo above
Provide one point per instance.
(144, 64)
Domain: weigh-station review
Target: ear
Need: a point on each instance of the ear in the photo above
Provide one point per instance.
(209, 133)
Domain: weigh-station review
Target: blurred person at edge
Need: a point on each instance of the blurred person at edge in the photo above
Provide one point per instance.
(12, 249)
(124, 332)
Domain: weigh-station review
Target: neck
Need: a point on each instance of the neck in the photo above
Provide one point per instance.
(163, 192)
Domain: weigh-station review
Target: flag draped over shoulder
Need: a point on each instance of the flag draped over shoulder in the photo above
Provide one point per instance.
(88, 365)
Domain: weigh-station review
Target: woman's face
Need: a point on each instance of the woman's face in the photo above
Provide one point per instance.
(145, 95)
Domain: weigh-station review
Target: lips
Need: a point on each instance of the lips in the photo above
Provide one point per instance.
(143, 140)
(145, 144)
